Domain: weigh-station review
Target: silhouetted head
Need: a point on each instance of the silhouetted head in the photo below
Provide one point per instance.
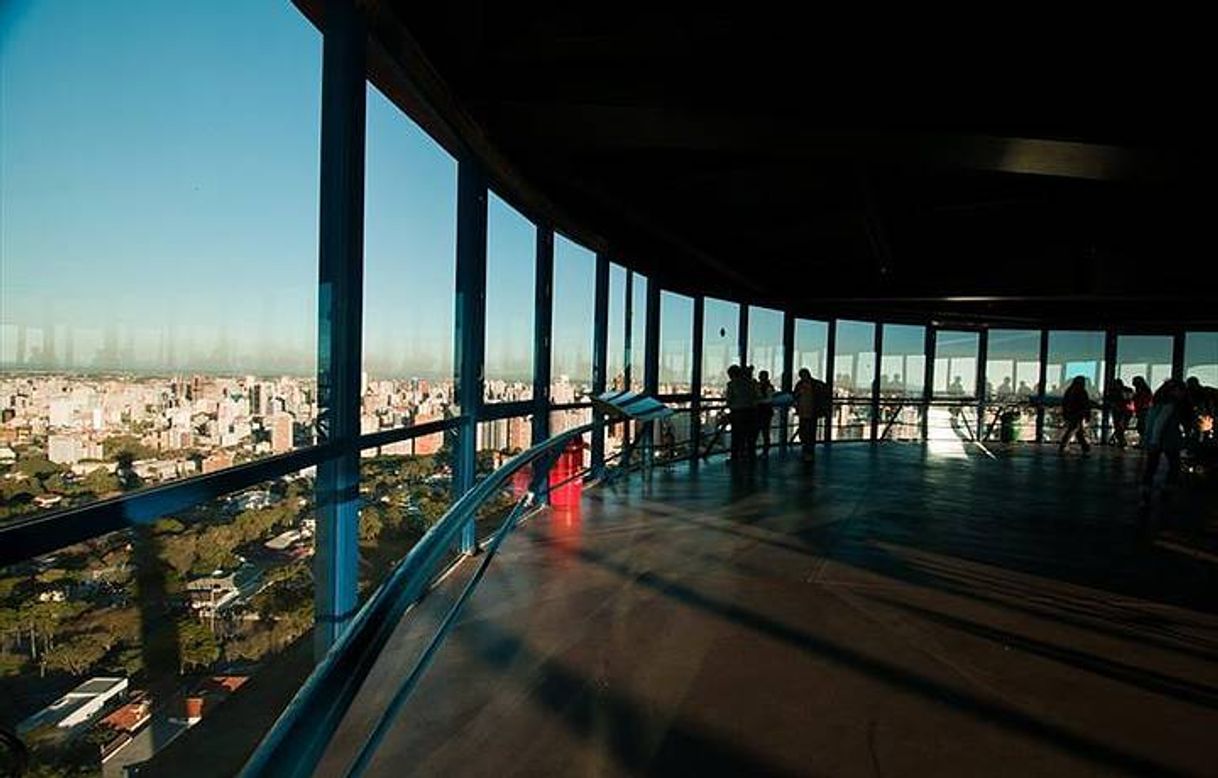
(1192, 383)
(805, 374)
(733, 371)
(1079, 381)
(1139, 382)
(764, 375)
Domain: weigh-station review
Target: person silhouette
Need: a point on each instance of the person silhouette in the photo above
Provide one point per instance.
(1076, 407)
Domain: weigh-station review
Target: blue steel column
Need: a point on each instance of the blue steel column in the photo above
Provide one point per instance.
(651, 361)
(543, 318)
(742, 335)
(983, 357)
(695, 381)
(1177, 354)
(600, 354)
(1040, 388)
(788, 379)
(628, 334)
(340, 316)
(830, 374)
(1110, 355)
(469, 329)
(878, 341)
(928, 378)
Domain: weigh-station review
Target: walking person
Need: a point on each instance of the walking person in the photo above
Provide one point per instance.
(1165, 424)
(1076, 407)
(1119, 400)
(765, 409)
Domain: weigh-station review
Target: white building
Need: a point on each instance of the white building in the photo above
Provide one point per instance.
(79, 706)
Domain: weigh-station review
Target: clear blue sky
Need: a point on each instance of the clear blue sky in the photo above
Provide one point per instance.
(159, 198)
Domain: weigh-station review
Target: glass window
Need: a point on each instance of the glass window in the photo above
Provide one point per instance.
(1201, 357)
(720, 344)
(191, 606)
(765, 342)
(574, 299)
(676, 343)
(1012, 367)
(903, 364)
(410, 228)
(615, 364)
(511, 246)
(854, 359)
(811, 347)
(1148, 356)
(956, 364)
(158, 304)
(638, 332)
(1075, 353)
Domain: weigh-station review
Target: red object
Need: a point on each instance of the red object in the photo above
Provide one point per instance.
(521, 480)
(566, 481)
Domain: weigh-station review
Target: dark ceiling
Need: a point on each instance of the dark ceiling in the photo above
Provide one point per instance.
(832, 167)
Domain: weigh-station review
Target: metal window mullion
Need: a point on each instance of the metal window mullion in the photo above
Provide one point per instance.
(787, 381)
(340, 317)
(928, 377)
(1040, 389)
(543, 323)
(742, 335)
(1110, 356)
(831, 375)
(1179, 338)
(651, 361)
(600, 355)
(470, 328)
(983, 355)
(695, 380)
(878, 345)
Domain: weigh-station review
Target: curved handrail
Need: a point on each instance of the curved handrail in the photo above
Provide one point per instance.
(298, 739)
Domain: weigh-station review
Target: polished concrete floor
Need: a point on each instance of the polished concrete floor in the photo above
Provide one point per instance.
(890, 610)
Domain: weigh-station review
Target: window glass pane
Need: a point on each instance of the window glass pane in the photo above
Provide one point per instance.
(158, 240)
(765, 342)
(574, 301)
(163, 625)
(638, 331)
(956, 364)
(854, 359)
(720, 344)
(1201, 357)
(811, 347)
(676, 343)
(903, 365)
(1075, 353)
(1148, 356)
(615, 364)
(410, 228)
(1012, 367)
(511, 246)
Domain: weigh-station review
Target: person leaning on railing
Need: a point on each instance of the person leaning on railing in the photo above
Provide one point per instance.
(811, 402)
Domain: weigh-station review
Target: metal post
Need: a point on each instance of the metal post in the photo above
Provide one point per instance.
(983, 355)
(600, 355)
(543, 317)
(1110, 357)
(788, 378)
(1040, 389)
(878, 341)
(695, 387)
(628, 356)
(339, 321)
(742, 335)
(928, 378)
(830, 374)
(1177, 355)
(470, 329)
(651, 363)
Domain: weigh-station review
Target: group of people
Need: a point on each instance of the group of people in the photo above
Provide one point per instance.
(750, 402)
(1166, 420)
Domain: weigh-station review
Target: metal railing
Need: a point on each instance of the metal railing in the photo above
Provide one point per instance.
(300, 736)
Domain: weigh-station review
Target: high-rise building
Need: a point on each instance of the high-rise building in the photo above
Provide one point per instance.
(281, 433)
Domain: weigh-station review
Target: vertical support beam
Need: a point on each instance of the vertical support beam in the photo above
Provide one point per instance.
(543, 318)
(651, 362)
(1110, 356)
(831, 375)
(695, 382)
(339, 320)
(600, 356)
(878, 340)
(928, 378)
(470, 329)
(983, 355)
(628, 334)
(788, 377)
(1040, 387)
(742, 339)
(1177, 355)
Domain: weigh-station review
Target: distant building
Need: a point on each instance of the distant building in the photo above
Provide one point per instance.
(281, 433)
(80, 706)
(217, 460)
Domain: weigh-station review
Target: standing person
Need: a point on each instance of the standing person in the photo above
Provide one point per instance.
(807, 408)
(1141, 404)
(1076, 407)
(765, 409)
(740, 405)
(1165, 432)
(1119, 400)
